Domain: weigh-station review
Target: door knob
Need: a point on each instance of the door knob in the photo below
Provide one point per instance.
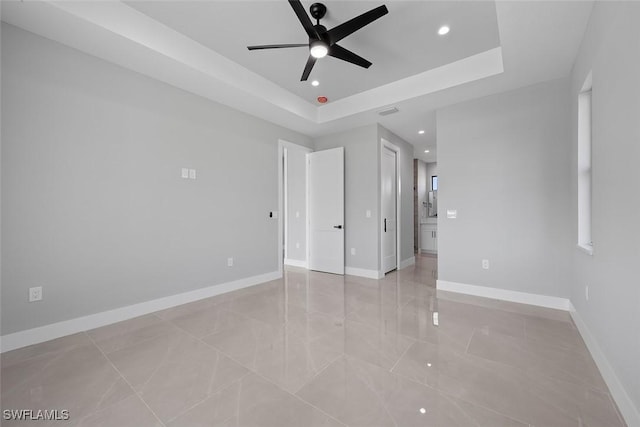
(337, 226)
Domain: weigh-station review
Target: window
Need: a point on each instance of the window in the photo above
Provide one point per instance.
(434, 183)
(584, 166)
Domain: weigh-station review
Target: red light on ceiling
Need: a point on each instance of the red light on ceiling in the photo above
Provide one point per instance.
(322, 99)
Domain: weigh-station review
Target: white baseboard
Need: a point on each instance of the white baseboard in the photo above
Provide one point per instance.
(67, 327)
(628, 410)
(371, 274)
(407, 262)
(505, 295)
(295, 263)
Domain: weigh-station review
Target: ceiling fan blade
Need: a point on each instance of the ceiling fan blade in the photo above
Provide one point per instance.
(307, 68)
(304, 19)
(346, 55)
(277, 46)
(351, 26)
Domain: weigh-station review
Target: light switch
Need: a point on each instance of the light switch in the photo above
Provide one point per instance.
(185, 173)
(297, 214)
(452, 213)
(192, 174)
(368, 213)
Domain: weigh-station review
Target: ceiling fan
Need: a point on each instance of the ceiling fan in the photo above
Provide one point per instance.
(323, 42)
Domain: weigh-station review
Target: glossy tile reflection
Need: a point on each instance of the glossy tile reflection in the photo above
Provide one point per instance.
(314, 349)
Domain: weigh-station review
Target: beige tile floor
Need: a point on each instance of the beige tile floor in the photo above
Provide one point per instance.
(315, 349)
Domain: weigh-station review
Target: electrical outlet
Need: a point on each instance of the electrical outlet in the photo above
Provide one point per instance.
(586, 292)
(192, 174)
(353, 251)
(229, 262)
(185, 173)
(35, 294)
(485, 264)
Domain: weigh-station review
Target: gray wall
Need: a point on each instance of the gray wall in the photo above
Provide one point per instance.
(502, 163)
(93, 206)
(360, 193)
(406, 190)
(296, 214)
(612, 314)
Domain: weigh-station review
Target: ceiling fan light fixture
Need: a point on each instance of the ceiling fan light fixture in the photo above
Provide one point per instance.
(323, 42)
(318, 49)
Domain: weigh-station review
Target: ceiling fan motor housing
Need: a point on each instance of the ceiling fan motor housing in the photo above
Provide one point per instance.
(322, 34)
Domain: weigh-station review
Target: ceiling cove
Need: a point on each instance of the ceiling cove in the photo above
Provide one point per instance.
(174, 42)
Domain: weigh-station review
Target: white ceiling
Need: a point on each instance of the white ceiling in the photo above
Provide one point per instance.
(403, 43)
(201, 47)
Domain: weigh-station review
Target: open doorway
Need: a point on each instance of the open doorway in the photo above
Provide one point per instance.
(292, 200)
(426, 207)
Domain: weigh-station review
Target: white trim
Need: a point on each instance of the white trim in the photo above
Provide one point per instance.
(628, 410)
(296, 263)
(587, 249)
(80, 324)
(505, 295)
(307, 220)
(285, 201)
(386, 144)
(427, 251)
(407, 262)
(361, 272)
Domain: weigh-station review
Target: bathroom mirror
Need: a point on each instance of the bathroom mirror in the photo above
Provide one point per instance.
(432, 204)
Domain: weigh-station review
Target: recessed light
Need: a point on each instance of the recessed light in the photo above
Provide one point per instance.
(315, 83)
(426, 151)
(423, 411)
(443, 30)
(420, 132)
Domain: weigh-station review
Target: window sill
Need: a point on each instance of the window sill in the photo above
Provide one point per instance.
(588, 249)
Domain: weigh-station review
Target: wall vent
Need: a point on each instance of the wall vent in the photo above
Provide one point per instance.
(388, 111)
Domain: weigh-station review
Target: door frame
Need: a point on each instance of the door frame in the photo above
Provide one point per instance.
(388, 145)
(282, 226)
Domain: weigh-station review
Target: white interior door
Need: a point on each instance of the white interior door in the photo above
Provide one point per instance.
(326, 210)
(389, 210)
